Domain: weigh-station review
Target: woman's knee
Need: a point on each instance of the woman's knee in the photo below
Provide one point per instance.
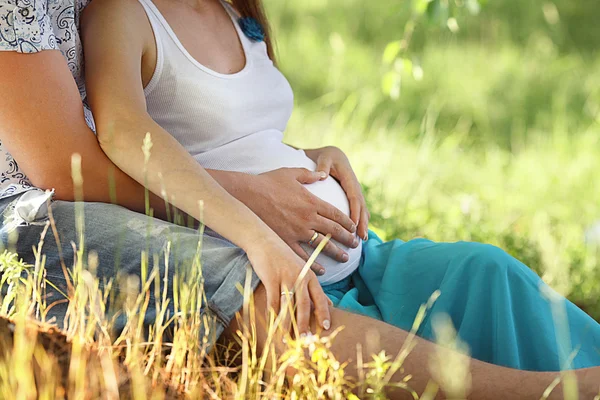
(486, 259)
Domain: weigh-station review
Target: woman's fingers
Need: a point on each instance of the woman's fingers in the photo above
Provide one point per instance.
(324, 165)
(273, 300)
(355, 207)
(332, 213)
(306, 176)
(337, 232)
(316, 267)
(321, 303)
(303, 310)
(363, 224)
(286, 309)
(331, 249)
(358, 207)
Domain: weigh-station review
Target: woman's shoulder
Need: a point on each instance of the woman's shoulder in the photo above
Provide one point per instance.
(120, 14)
(115, 20)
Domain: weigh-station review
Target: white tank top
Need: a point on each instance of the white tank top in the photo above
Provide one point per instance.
(233, 122)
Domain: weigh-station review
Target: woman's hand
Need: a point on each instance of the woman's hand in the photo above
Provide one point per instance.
(278, 269)
(279, 198)
(332, 161)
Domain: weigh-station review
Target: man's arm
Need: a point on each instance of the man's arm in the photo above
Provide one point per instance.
(42, 125)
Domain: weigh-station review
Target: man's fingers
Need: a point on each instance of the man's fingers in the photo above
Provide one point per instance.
(316, 267)
(321, 304)
(332, 213)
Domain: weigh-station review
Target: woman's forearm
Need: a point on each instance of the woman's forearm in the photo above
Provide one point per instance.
(172, 170)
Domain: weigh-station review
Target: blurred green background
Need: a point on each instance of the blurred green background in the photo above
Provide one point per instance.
(484, 126)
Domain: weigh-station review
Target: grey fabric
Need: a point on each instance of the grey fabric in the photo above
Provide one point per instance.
(119, 236)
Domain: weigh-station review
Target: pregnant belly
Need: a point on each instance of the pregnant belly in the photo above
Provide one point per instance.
(265, 151)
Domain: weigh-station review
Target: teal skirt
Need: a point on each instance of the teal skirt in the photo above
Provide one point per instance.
(499, 307)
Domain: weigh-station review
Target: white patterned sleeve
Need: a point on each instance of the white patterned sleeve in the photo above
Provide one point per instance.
(25, 26)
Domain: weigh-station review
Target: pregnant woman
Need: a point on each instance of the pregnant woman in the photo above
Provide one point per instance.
(43, 121)
(201, 79)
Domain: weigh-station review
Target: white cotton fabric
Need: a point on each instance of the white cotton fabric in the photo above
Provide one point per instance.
(233, 122)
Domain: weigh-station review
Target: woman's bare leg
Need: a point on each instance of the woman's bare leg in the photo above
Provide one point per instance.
(488, 381)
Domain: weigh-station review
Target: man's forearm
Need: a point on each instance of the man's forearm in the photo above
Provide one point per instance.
(238, 184)
(103, 182)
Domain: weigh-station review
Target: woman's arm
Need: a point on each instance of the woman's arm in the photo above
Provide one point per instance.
(280, 199)
(114, 43)
(42, 125)
(116, 33)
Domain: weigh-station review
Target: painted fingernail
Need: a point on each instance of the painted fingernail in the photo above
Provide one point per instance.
(345, 257)
(323, 175)
(326, 324)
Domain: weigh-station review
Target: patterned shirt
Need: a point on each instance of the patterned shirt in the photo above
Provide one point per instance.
(30, 26)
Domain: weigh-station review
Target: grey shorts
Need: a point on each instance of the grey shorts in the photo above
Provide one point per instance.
(119, 236)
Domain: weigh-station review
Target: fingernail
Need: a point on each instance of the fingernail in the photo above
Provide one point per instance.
(345, 257)
(326, 324)
(302, 335)
(353, 228)
(355, 242)
(323, 175)
(321, 272)
(366, 237)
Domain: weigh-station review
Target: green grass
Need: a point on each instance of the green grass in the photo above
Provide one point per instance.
(499, 141)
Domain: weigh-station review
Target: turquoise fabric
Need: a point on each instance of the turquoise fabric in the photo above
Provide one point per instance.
(494, 301)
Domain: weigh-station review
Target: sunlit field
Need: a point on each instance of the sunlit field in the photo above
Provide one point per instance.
(480, 122)
(494, 134)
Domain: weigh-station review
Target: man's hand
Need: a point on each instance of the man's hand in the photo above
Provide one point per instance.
(332, 161)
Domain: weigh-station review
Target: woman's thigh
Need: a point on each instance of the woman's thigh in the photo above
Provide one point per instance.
(360, 337)
(117, 238)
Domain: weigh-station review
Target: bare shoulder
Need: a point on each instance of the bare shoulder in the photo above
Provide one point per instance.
(104, 8)
(114, 19)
